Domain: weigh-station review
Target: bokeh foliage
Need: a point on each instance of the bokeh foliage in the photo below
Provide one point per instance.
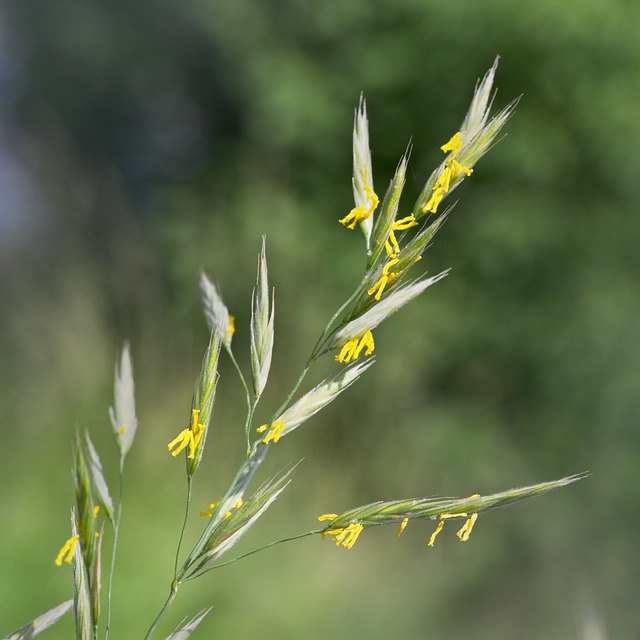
(158, 137)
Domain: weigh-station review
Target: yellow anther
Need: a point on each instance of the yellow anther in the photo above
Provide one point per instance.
(454, 143)
(275, 431)
(384, 279)
(347, 536)
(362, 212)
(328, 516)
(465, 532)
(188, 437)
(353, 348)
(391, 245)
(67, 549)
(451, 169)
(403, 524)
(434, 535)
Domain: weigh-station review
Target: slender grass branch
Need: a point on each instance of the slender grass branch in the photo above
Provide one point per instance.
(184, 524)
(251, 405)
(116, 529)
(167, 604)
(250, 553)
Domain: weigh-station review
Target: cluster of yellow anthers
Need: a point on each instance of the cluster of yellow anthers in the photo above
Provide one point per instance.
(213, 505)
(67, 549)
(70, 545)
(362, 213)
(189, 437)
(275, 431)
(464, 533)
(352, 349)
(344, 536)
(451, 169)
(347, 536)
(393, 251)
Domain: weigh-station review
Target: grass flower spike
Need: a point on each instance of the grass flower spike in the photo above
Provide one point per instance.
(350, 524)
(262, 319)
(188, 438)
(475, 137)
(193, 438)
(315, 400)
(365, 197)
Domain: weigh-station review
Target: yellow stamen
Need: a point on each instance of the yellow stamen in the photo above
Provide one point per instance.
(67, 549)
(458, 167)
(328, 516)
(384, 279)
(121, 430)
(403, 524)
(181, 442)
(391, 245)
(275, 431)
(465, 532)
(212, 506)
(434, 535)
(231, 329)
(352, 349)
(434, 201)
(451, 169)
(454, 143)
(188, 437)
(96, 511)
(345, 537)
(362, 212)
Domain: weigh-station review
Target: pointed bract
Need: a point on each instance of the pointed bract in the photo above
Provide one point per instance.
(262, 329)
(215, 311)
(81, 591)
(98, 480)
(184, 632)
(123, 413)
(39, 624)
(319, 397)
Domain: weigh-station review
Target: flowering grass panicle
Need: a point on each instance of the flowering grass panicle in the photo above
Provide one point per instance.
(396, 239)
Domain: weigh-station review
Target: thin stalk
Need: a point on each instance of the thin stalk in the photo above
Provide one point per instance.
(251, 405)
(156, 622)
(184, 525)
(250, 553)
(116, 529)
(318, 348)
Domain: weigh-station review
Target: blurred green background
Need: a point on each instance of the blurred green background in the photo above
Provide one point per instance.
(142, 140)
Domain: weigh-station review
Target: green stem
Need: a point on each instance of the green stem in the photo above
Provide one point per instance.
(184, 525)
(320, 346)
(296, 386)
(116, 529)
(250, 405)
(156, 622)
(250, 553)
